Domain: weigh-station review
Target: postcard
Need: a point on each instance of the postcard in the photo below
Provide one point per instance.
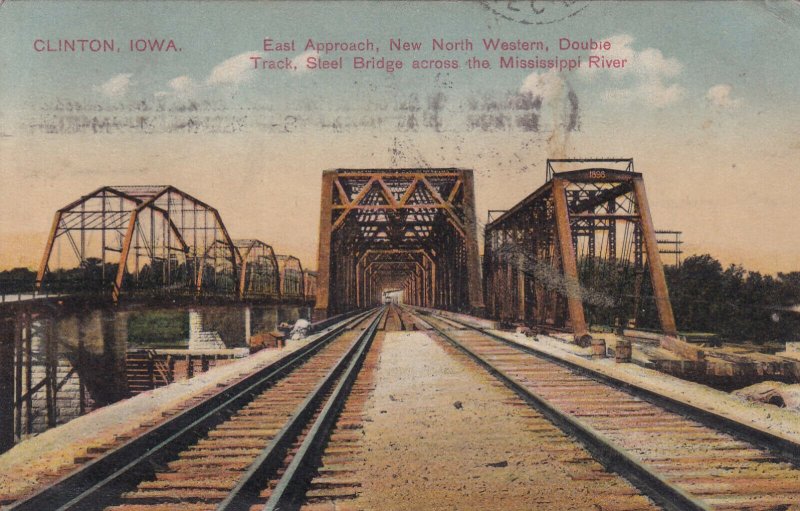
(497, 254)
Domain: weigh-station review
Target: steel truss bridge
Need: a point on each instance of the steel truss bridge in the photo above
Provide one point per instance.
(580, 250)
(581, 243)
(160, 241)
(412, 229)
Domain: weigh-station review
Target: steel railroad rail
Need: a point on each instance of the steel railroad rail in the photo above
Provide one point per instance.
(287, 491)
(681, 456)
(104, 481)
(290, 491)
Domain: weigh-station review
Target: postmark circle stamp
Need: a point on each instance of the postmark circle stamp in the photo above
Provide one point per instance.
(533, 12)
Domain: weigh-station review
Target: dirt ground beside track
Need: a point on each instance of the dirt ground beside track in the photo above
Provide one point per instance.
(442, 434)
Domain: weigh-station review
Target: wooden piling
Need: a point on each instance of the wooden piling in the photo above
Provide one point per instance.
(6, 384)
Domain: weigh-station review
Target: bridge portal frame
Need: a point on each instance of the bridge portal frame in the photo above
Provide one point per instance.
(538, 238)
(403, 209)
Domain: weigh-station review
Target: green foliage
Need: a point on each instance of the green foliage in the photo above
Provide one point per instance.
(158, 327)
(733, 302)
(89, 277)
(18, 280)
(610, 283)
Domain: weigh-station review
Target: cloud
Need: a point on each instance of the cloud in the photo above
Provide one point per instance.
(180, 87)
(233, 71)
(650, 62)
(720, 96)
(182, 84)
(115, 87)
(648, 75)
(239, 69)
(547, 85)
(659, 94)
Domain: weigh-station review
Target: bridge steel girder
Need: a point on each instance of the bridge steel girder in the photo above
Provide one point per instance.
(660, 291)
(309, 285)
(536, 252)
(292, 277)
(395, 264)
(569, 259)
(121, 216)
(259, 271)
(398, 229)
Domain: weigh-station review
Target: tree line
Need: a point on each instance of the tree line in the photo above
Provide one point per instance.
(732, 302)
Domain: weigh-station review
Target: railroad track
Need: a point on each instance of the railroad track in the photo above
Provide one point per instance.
(393, 319)
(333, 480)
(331, 454)
(680, 456)
(237, 450)
(333, 473)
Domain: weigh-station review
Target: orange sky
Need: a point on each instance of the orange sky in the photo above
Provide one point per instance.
(267, 187)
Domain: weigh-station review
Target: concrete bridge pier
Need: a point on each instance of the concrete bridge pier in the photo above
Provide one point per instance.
(201, 338)
(264, 319)
(114, 327)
